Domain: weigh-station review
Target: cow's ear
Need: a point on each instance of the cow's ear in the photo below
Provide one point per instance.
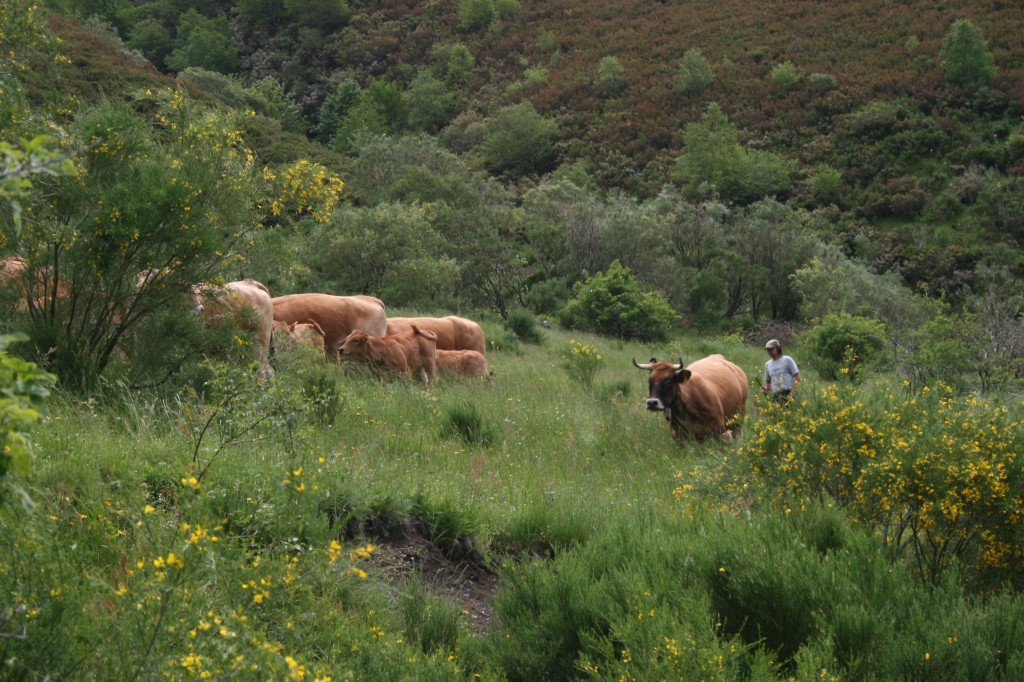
(682, 375)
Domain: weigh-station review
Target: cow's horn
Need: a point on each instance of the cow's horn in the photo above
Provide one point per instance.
(646, 365)
(679, 366)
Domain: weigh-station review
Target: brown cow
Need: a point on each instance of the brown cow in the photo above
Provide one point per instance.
(337, 316)
(453, 333)
(301, 334)
(245, 303)
(700, 400)
(462, 363)
(406, 352)
(26, 289)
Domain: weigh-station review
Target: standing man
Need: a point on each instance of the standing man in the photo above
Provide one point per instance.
(780, 374)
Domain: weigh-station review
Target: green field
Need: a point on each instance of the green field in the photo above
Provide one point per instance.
(330, 525)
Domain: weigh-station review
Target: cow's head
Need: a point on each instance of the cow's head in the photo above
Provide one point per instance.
(355, 343)
(663, 381)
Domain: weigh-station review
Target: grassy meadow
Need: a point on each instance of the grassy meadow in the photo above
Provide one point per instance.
(236, 530)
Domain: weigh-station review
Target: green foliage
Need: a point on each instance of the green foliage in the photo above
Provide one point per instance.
(431, 105)
(784, 76)
(832, 283)
(464, 421)
(31, 157)
(336, 105)
(826, 185)
(822, 83)
(326, 16)
(929, 473)
(519, 141)
(475, 14)
(523, 324)
(453, 63)
(695, 72)
(204, 42)
(581, 361)
(946, 348)
(381, 109)
(23, 391)
(614, 304)
(169, 201)
(152, 39)
(364, 250)
(966, 59)
(713, 157)
(610, 80)
(846, 346)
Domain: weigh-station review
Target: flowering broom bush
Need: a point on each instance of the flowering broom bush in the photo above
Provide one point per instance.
(936, 475)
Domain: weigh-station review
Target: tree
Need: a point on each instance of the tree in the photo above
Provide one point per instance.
(152, 39)
(154, 209)
(966, 59)
(326, 16)
(614, 304)
(453, 64)
(475, 14)
(713, 157)
(204, 42)
(519, 141)
(695, 72)
(431, 105)
(610, 80)
(336, 106)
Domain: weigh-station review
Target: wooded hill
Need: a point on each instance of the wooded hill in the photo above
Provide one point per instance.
(781, 160)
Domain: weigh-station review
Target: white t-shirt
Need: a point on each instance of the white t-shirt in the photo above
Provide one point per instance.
(781, 371)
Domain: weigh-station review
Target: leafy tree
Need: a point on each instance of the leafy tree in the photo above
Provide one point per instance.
(610, 80)
(966, 59)
(431, 105)
(326, 16)
(152, 39)
(336, 106)
(365, 118)
(204, 42)
(846, 346)
(475, 14)
(413, 169)
(362, 249)
(268, 14)
(519, 142)
(833, 283)
(151, 211)
(768, 239)
(713, 157)
(280, 105)
(453, 64)
(784, 76)
(613, 303)
(695, 72)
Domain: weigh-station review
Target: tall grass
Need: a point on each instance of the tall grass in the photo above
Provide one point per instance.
(620, 554)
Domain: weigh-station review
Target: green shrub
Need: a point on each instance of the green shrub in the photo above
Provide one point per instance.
(524, 325)
(23, 390)
(784, 76)
(612, 303)
(695, 72)
(846, 346)
(581, 362)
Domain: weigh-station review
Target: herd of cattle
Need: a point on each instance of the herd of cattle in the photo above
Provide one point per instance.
(702, 400)
(354, 326)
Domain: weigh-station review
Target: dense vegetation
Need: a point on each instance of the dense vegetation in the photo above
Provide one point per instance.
(495, 155)
(843, 176)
